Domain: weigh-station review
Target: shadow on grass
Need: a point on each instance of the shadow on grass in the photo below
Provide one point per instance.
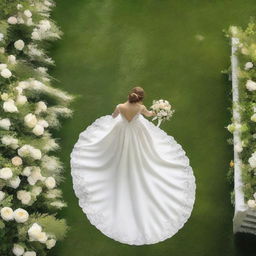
(245, 244)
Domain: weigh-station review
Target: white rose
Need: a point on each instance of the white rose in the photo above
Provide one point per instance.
(252, 160)
(36, 154)
(50, 243)
(19, 45)
(3, 66)
(42, 237)
(40, 107)
(24, 196)
(5, 123)
(30, 120)
(30, 22)
(251, 203)
(12, 20)
(28, 13)
(250, 85)
(28, 150)
(38, 130)
(2, 195)
(23, 84)
(238, 148)
(35, 176)
(14, 182)
(19, 89)
(21, 100)
(248, 65)
(35, 35)
(4, 96)
(9, 106)
(43, 123)
(44, 25)
(6, 213)
(17, 161)
(17, 250)
(12, 59)
(20, 215)
(50, 182)
(34, 231)
(6, 73)
(19, 6)
(29, 253)
(20, 20)
(6, 173)
(27, 171)
(10, 141)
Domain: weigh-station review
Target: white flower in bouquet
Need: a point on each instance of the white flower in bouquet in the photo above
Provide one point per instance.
(234, 30)
(19, 89)
(30, 120)
(2, 50)
(5, 123)
(250, 85)
(36, 190)
(3, 66)
(40, 107)
(20, 20)
(253, 117)
(1, 36)
(6, 73)
(19, 6)
(238, 147)
(6, 173)
(248, 65)
(252, 160)
(4, 96)
(9, 106)
(10, 141)
(14, 182)
(44, 25)
(28, 13)
(38, 130)
(24, 196)
(12, 59)
(27, 171)
(6, 213)
(2, 195)
(20, 215)
(35, 35)
(251, 203)
(35, 176)
(19, 44)
(21, 100)
(43, 123)
(18, 250)
(50, 243)
(29, 253)
(35, 233)
(17, 161)
(50, 182)
(28, 150)
(24, 84)
(162, 109)
(12, 20)
(42, 69)
(29, 22)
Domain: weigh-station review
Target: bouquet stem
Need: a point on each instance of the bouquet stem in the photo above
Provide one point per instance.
(159, 122)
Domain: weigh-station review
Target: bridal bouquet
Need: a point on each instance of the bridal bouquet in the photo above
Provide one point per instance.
(163, 110)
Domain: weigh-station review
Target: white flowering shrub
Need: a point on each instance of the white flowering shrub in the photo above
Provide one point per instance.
(246, 53)
(30, 108)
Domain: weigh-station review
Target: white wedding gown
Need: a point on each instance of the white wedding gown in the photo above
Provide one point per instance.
(133, 181)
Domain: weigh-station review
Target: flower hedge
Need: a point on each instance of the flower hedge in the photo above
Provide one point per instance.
(245, 40)
(30, 109)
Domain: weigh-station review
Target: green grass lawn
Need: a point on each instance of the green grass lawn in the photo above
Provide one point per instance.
(108, 47)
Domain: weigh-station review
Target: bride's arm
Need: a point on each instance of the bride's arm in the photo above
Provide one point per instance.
(146, 112)
(116, 112)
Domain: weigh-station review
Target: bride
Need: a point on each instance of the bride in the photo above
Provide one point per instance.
(133, 181)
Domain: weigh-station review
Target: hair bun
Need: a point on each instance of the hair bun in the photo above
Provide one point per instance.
(136, 95)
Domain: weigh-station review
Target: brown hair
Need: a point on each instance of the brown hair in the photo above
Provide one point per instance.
(136, 95)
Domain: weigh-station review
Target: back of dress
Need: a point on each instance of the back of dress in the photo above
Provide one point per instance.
(133, 181)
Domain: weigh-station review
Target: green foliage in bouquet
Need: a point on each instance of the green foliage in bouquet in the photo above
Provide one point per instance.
(246, 53)
(30, 108)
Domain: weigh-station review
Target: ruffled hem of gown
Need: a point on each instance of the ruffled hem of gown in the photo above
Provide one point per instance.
(98, 220)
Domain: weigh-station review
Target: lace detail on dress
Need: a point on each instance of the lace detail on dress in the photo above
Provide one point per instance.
(99, 220)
